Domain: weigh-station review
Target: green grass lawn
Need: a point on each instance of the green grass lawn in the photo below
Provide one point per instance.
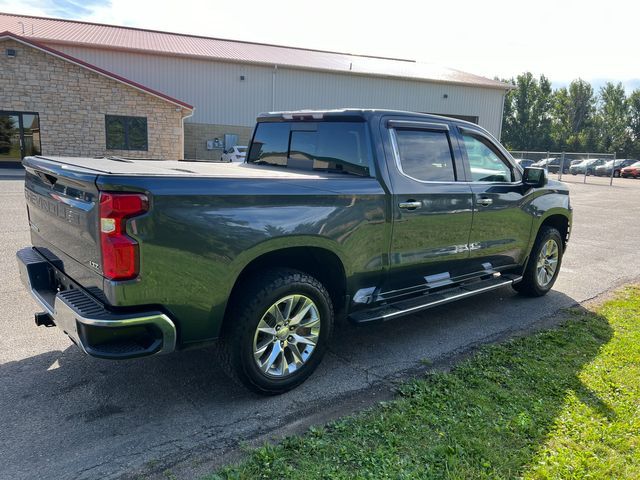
(564, 403)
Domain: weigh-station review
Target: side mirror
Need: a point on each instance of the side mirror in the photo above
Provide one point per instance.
(535, 177)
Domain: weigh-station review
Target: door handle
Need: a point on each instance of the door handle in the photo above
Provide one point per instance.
(485, 202)
(410, 205)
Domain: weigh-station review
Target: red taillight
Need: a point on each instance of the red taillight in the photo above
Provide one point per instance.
(119, 251)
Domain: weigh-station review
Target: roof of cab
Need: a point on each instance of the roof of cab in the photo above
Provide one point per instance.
(355, 114)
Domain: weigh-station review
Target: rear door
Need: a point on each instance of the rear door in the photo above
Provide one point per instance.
(501, 219)
(431, 209)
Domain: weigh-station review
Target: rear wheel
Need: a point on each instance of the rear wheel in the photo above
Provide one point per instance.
(544, 263)
(277, 332)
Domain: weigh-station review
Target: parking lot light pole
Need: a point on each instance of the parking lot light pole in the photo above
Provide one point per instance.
(561, 167)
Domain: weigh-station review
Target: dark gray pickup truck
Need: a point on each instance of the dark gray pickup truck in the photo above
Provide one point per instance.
(362, 214)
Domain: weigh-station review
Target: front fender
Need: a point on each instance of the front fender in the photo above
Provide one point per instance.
(549, 203)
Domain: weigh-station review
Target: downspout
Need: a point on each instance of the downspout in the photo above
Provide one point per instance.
(504, 96)
(273, 88)
(183, 119)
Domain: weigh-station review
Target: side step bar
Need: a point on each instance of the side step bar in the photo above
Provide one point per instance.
(417, 304)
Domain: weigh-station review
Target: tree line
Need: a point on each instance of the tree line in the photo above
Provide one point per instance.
(572, 119)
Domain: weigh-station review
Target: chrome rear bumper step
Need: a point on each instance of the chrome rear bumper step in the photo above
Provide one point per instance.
(429, 300)
(89, 324)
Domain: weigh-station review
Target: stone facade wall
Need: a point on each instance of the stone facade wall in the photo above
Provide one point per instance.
(197, 134)
(72, 102)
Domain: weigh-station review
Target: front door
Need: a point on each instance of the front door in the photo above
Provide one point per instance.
(19, 136)
(501, 222)
(432, 210)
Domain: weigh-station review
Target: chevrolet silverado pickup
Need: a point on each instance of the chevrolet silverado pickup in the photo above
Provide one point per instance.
(367, 215)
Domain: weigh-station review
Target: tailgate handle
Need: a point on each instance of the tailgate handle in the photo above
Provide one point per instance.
(49, 179)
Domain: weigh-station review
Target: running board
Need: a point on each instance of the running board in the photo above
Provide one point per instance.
(413, 305)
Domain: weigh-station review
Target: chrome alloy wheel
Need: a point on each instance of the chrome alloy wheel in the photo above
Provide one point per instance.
(286, 336)
(547, 263)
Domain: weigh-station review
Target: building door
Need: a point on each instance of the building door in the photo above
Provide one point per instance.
(19, 136)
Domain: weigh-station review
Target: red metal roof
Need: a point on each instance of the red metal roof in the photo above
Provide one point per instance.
(101, 71)
(60, 31)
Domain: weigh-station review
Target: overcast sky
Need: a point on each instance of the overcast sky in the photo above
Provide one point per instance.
(564, 39)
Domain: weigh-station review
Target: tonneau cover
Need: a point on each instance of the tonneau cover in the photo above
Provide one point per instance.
(173, 168)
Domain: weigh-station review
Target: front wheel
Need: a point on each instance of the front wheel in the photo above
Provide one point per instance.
(277, 332)
(544, 263)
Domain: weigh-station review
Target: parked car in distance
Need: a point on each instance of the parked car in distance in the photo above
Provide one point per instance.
(552, 165)
(235, 154)
(586, 167)
(615, 165)
(632, 171)
(541, 163)
(365, 215)
(525, 162)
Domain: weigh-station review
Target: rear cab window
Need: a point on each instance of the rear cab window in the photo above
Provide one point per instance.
(340, 147)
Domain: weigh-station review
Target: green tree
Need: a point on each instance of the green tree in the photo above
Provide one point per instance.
(561, 125)
(508, 125)
(571, 118)
(573, 112)
(634, 122)
(581, 105)
(541, 111)
(614, 114)
(526, 118)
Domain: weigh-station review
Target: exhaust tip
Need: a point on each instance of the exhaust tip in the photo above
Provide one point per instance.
(44, 319)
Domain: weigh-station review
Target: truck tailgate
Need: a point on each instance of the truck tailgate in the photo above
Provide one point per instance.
(62, 206)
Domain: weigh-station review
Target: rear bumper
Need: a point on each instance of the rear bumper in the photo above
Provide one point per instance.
(98, 331)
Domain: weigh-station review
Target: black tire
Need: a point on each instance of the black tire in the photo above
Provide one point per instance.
(258, 295)
(529, 285)
(616, 173)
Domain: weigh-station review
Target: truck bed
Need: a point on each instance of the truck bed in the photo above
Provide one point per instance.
(182, 168)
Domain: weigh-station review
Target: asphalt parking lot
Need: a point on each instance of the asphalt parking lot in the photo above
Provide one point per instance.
(65, 415)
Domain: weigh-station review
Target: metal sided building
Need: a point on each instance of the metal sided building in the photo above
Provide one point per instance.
(229, 83)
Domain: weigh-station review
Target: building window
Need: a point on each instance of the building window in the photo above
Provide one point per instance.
(126, 133)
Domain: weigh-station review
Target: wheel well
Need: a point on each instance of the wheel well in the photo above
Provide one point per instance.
(560, 223)
(317, 262)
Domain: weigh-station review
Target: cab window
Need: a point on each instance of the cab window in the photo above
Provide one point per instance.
(340, 147)
(425, 155)
(485, 161)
